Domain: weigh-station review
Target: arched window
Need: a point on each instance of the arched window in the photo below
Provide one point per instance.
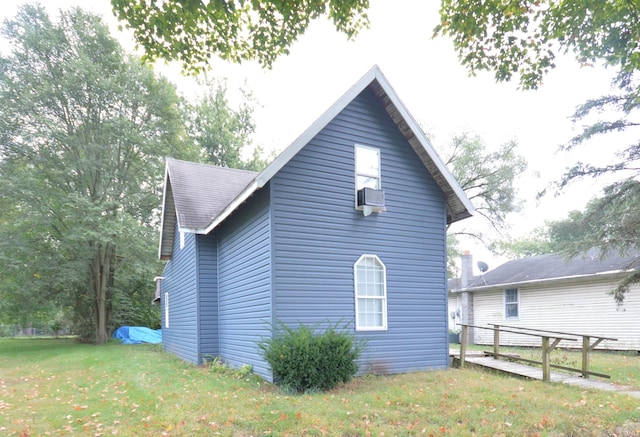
(370, 279)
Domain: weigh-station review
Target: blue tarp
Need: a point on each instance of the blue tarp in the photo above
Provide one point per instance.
(138, 334)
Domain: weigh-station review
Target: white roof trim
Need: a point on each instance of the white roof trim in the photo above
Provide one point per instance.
(270, 171)
(313, 130)
(239, 200)
(164, 205)
(561, 279)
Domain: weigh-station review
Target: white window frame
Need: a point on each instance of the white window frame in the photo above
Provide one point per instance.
(360, 299)
(166, 309)
(377, 176)
(516, 303)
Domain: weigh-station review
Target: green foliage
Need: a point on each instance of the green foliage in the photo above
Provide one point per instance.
(610, 222)
(84, 132)
(193, 31)
(303, 360)
(220, 132)
(523, 38)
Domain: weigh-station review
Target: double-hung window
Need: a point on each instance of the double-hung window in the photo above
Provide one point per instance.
(370, 293)
(367, 167)
(511, 303)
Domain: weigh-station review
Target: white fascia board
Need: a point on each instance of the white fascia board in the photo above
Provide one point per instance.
(270, 171)
(164, 205)
(561, 279)
(287, 154)
(424, 142)
(313, 130)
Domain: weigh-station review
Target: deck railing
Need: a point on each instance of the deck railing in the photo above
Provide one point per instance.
(549, 342)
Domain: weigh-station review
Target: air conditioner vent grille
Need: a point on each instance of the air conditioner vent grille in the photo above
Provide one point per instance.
(370, 197)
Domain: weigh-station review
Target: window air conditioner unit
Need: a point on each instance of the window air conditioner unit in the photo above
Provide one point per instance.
(371, 197)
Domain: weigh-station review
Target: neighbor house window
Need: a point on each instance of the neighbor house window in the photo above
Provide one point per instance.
(511, 303)
(367, 167)
(370, 293)
(166, 310)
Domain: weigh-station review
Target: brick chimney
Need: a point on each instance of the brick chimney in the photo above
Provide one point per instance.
(466, 298)
(466, 269)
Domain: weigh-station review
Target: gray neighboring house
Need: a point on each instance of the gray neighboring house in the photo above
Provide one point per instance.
(549, 292)
(348, 224)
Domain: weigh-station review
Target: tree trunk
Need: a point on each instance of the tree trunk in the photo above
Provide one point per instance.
(101, 275)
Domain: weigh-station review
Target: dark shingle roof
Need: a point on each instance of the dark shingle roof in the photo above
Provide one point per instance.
(194, 195)
(202, 191)
(555, 266)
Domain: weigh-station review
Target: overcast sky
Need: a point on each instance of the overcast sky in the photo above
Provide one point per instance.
(429, 80)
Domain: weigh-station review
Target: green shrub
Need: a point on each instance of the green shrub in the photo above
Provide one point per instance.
(303, 360)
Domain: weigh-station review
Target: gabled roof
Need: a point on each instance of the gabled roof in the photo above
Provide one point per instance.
(195, 194)
(554, 267)
(458, 205)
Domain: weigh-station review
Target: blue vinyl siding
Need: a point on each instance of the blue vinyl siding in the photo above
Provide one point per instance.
(180, 281)
(318, 235)
(208, 295)
(244, 267)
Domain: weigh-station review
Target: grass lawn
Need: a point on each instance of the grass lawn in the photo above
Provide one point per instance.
(59, 387)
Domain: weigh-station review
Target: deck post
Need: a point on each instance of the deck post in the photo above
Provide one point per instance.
(546, 367)
(463, 345)
(586, 345)
(496, 341)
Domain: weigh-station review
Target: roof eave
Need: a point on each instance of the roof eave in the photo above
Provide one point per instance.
(239, 200)
(458, 204)
(561, 280)
(164, 252)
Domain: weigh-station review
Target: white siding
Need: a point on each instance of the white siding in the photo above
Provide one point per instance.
(581, 308)
(454, 307)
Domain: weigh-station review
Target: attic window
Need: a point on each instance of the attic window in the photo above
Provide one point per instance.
(368, 193)
(367, 167)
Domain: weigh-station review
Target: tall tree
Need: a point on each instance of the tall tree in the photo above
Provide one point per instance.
(522, 40)
(609, 221)
(222, 133)
(84, 131)
(193, 31)
(488, 178)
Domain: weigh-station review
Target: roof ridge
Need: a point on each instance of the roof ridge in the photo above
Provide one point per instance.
(213, 166)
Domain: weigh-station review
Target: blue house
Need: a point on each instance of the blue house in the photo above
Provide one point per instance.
(346, 225)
